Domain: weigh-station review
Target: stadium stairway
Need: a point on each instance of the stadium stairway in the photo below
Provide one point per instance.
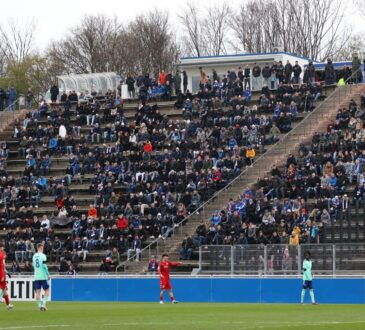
(7, 121)
(277, 154)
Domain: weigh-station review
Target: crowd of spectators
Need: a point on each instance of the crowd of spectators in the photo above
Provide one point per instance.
(146, 173)
(162, 87)
(297, 203)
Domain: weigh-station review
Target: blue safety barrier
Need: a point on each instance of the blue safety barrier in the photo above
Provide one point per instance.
(211, 289)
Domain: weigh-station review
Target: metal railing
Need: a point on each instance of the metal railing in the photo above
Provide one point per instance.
(274, 155)
(283, 259)
(16, 105)
(348, 224)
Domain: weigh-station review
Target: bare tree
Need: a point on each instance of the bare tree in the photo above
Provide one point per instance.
(246, 28)
(16, 41)
(360, 7)
(355, 44)
(153, 42)
(215, 27)
(99, 44)
(193, 38)
(207, 33)
(312, 28)
(90, 47)
(320, 29)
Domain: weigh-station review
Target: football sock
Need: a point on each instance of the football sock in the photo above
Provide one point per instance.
(45, 298)
(172, 298)
(6, 298)
(1, 294)
(161, 297)
(39, 303)
(303, 295)
(311, 293)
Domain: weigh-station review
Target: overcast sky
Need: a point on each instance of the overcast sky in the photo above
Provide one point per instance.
(55, 17)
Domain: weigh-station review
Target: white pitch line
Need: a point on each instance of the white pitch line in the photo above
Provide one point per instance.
(243, 324)
(137, 323)
(278, 326)
(36, 326)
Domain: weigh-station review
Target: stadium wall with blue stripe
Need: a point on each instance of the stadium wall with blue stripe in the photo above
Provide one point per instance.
(240, 290)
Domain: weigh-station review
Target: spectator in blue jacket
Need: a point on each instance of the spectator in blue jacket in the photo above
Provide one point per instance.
(46, 164)
(247, 94)
(31, 162)
(232, 143)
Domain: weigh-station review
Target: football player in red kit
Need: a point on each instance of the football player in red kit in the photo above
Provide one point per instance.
(164, 272)
(3, 287)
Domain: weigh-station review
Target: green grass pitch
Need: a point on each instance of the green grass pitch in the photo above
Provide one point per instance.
(185, 316)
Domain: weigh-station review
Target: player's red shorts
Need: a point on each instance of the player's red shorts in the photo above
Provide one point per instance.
(165, 285)
(2, 285)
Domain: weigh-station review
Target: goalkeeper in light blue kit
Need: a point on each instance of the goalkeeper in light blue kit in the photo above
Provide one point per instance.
(307, 278)
(41, 277)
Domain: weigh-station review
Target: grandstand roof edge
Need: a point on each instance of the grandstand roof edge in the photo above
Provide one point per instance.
(110, 73)
(335, 64)
(243, 55)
